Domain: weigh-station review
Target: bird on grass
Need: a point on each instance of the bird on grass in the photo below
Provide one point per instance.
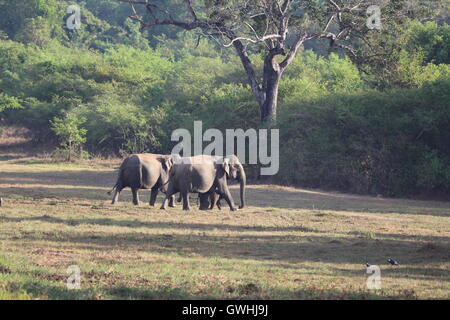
(392, 262)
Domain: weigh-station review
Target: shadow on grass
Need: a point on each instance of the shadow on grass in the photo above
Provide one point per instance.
(409, 237)
(42, 290)
(55, 292)
(7, 157)
(58, 193)
(135, 293)
(157, 225)
(67, 177)
(258, 195)
(270, 196)
(259, 247)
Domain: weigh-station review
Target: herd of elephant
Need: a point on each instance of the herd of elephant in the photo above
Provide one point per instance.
(171, 174)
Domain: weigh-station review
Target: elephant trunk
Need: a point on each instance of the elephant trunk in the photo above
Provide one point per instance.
(243, 181)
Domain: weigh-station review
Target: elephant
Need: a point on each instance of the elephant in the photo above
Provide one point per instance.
(214, 200)
(205, 175)
(143, 171)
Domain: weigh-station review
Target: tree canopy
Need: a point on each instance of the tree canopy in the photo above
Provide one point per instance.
(278, 28)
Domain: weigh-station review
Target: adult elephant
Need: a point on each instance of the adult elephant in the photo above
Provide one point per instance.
(143, 171)
(205, 175)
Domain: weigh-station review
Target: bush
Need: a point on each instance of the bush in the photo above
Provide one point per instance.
(391, 143)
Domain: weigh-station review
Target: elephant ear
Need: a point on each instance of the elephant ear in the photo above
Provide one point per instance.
(166, 163)
(226, 166)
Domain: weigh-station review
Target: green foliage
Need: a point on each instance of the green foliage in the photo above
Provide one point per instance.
(408, 54)
(432, 40)
(391, 143)
(8, 102)
(103, 87)
(16, 15)
(69, 132)
(36, 31)
(309, 76)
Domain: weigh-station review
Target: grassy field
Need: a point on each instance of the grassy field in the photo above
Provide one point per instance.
(288, 244)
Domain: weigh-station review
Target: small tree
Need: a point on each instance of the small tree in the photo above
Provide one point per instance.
(69, 132)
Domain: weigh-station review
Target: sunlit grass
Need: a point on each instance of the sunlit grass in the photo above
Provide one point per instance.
(289, 243)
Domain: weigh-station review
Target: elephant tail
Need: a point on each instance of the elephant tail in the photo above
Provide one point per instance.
(117, 183)
(113, 188)
(119, 178)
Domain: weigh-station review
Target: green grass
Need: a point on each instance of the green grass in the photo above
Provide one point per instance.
(288, 244)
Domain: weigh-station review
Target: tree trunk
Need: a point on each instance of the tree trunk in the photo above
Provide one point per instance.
(265, 93)
(269, 106)
(69, 159)
(271, 81)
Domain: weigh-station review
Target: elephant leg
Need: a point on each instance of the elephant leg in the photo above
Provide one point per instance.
(169, 195)
(172, 201)
(153, 195)
(218, 203)
(225, 193)
(186, 205)
(134, 191)
(116, 194)
(212, 200)
(204, 201)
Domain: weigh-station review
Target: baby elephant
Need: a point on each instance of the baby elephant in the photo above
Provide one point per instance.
(143, 171)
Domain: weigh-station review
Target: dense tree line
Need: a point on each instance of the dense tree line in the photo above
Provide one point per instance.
(386, 132)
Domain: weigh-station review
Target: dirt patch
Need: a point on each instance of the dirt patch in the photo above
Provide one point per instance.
(111, 278)
(4, 270)
(250, 288)
(51, 258)
(14, 136)
(18, 142)
(50, 276)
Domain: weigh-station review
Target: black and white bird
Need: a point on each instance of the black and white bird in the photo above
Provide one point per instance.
(368, 264)
(392, 262)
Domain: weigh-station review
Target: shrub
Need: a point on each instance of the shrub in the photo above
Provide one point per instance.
(392, 143)
(70, 134)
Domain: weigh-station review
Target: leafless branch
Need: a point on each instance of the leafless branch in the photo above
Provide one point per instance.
(191, 8)
(267, 37)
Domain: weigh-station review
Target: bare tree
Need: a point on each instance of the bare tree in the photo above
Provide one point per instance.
(278, 28)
